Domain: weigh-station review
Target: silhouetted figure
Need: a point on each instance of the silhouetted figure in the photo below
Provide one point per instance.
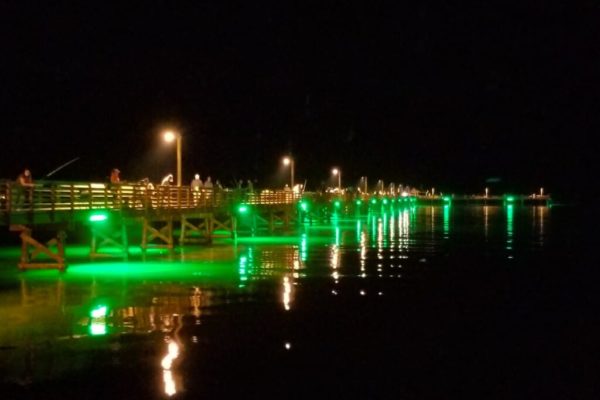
(24, 189)
(167, 180)
(114, 176)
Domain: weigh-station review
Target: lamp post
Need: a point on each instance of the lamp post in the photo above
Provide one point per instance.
(290, 161)
(338, 172)
(170, 136)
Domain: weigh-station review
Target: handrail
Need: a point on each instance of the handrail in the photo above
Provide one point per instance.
(54, 196)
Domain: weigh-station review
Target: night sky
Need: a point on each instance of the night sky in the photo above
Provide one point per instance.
(434, 94)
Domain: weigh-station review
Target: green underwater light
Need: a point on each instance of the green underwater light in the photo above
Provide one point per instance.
(98, 217)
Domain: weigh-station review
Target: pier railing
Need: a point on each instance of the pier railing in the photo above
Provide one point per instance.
(55, 196)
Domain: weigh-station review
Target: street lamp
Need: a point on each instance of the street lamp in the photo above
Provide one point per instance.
(338, 172)
(290, 161)
(169, 137)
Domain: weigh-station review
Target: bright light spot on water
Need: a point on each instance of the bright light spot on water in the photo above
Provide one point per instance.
(169, 382)
(166, 362)
(287, 290)
(98, 328)
(362, 292)
(333, 292)
(288, 345)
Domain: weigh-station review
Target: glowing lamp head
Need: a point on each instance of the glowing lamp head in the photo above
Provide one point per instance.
(169, 136)
(287, 161)
(335, 171)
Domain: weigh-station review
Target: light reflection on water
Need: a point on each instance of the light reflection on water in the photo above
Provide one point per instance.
(40, 306)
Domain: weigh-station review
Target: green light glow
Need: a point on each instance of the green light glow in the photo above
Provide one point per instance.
(242, 208)
(98, 323)
(98, 328)
(446, 225)
(99, 312)
(447, 199)
(373, 201)
(509, 226)
(99, 217)
(242, 268)
(510, 199)
(358, 202)
(385, 201)
(337, 204)
(303, 247)
(304, 206)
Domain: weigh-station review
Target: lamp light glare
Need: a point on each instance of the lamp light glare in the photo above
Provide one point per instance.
(169, 136)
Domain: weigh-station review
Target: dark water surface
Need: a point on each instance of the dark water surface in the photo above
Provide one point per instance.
(429, 302)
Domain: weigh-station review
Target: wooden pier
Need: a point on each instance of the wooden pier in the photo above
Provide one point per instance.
(109, 209)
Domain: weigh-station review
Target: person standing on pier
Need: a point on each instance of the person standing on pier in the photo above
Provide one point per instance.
(115, 181)
(196, 187)
(165, 192)
(24, 189)
(114, 176)
(167, 180)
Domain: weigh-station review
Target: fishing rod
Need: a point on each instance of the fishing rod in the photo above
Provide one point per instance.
(62, 166)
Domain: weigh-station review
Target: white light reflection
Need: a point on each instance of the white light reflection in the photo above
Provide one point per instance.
(363, 250)
(287, 291)
(335, 261)
(167, 363)
(170, 388)
(379, 234)
(485, 221)
(195, 300)
(542, 212)
(403, 231)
